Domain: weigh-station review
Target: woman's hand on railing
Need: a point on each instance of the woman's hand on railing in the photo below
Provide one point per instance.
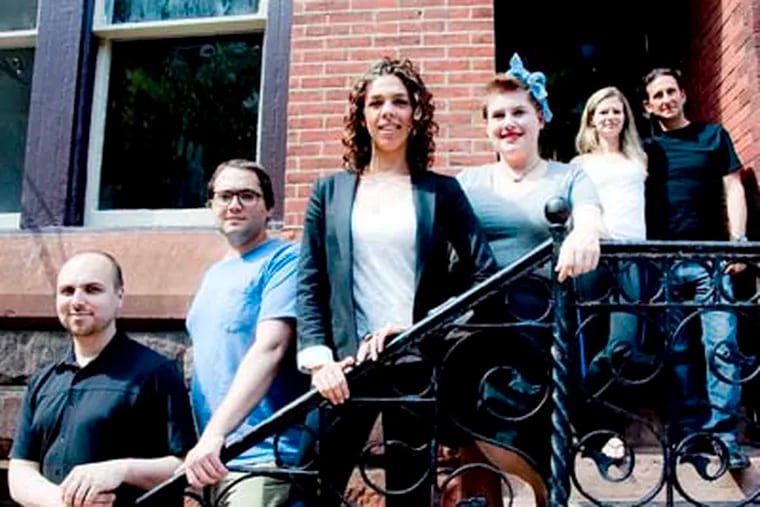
(579, 254)
(734, 268)
(330, 380)
(202, 464)
(374, 343)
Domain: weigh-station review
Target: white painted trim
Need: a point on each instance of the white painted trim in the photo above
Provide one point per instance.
(151, 218)
(10, 220)
(188, 27)
(99, 15)
(97, 130)
(18, 39)
(264, 7)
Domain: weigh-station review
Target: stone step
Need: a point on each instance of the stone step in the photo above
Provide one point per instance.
(728, 490)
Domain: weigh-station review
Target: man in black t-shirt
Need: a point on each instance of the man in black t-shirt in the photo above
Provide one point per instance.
(109, 419)
(693, 185)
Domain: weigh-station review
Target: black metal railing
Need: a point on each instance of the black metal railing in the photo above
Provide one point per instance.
(537, 374)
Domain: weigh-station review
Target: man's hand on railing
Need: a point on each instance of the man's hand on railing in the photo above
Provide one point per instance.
(92, 484)
(330, 380)
(374, 343)
(202, 464)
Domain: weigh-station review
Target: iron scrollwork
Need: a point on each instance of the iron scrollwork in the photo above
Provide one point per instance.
(550, 371)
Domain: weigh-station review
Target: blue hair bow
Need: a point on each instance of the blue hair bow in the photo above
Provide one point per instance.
(535, 82)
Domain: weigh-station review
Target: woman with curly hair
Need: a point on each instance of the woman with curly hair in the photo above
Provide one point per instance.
(374, 259)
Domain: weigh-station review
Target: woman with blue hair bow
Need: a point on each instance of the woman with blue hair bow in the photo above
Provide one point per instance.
(508, 197)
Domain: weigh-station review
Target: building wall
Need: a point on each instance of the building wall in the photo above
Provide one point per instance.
(334, 42)
(724, 70)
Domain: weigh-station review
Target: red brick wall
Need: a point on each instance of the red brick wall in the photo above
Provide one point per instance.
(335, 41)
(724, 70)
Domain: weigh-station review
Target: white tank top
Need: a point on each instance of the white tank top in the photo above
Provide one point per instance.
(620, 184)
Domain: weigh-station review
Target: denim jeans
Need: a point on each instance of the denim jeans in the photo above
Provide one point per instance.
(622, 335)
(624, 329)
(693, 282)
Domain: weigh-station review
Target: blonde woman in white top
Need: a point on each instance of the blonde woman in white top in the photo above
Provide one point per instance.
(610, 152)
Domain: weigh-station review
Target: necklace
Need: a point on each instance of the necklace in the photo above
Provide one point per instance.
(517, 177)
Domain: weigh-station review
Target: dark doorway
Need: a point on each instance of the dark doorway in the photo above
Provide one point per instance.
(583, 46)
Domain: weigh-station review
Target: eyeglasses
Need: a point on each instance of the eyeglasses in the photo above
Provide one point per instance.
(246, 197)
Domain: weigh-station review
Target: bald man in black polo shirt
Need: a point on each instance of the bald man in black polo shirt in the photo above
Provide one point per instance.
(111, 417)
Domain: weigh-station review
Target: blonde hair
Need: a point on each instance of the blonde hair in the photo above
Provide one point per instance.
(587, 139)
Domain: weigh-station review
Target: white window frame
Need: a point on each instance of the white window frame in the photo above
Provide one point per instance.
(17, 39)
(107, 33)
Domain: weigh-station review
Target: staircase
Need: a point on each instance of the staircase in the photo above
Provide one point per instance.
(647, 483)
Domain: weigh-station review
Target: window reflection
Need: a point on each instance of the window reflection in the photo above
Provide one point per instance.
(15, 87)
(18, 14)
(131, 11)
(177, 108)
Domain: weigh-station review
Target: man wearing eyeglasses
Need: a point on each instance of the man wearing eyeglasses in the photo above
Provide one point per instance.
(242, 326)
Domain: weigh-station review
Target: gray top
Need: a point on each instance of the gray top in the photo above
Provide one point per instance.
(516, 224)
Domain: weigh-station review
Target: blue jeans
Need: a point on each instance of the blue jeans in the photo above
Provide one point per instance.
(693, 282)
(621, 334)
(624, 329)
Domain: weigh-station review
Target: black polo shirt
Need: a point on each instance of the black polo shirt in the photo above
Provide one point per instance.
(685, 198)
(128, 402)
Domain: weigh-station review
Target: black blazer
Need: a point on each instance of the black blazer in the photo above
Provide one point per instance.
(326, 314)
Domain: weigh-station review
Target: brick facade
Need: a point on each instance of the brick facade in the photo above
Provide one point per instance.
(335, 41)
(724, 70)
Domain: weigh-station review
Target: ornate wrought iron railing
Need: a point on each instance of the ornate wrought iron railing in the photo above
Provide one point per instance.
(523, 360)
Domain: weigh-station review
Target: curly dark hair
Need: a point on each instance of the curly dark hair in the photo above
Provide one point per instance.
(357, 145)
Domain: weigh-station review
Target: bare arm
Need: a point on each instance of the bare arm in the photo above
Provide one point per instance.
(147, 473)
(29, 488)
(89, 484)
(736, 205)
(580, 250)
(255, 374)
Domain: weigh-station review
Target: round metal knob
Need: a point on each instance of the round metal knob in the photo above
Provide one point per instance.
(557, 210)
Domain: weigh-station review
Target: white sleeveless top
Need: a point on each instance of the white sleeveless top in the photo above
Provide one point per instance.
(620, 184)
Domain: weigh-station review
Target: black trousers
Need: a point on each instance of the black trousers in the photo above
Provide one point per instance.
(406, 453)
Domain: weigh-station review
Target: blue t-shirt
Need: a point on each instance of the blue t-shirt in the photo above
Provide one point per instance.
(235, 295)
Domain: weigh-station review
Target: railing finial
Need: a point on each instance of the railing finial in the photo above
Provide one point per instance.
(557, 210)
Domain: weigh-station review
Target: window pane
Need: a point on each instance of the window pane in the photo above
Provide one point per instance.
(15, 87)
(18, 14)
(130, 11)
(176, 109)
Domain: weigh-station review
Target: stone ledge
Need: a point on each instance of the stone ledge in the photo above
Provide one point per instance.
(162, 267)
(22, 352)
